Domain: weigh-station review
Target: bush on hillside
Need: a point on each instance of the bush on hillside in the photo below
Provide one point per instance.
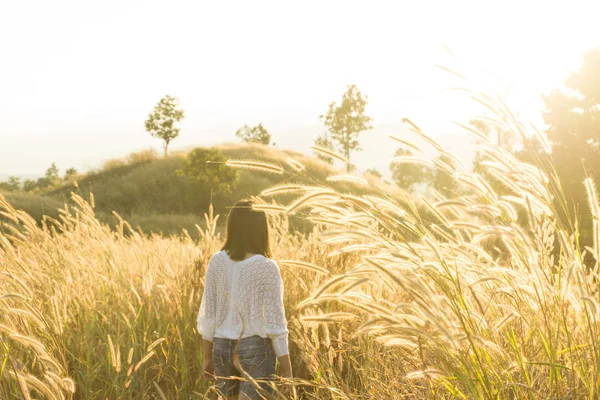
(207, 168)
(142, 156)
(35, 205)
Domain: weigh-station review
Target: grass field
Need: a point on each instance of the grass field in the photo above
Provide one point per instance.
(489, 297)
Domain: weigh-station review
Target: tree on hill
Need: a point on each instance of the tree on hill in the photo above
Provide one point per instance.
(405, 174)
(323, 141)
(346, 120)
(29, 185)
(163, 121)
(255, 134)
(374, 172)
(12, 185)
(50, 179)
(573, 117)
(206, 166)
(70, 174)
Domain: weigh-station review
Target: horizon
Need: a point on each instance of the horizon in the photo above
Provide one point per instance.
(86, 76)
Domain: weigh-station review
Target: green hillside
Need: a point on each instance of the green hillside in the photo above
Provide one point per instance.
(145, 189)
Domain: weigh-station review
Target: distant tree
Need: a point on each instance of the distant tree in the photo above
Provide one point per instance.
(14, 182)
(50, 179)
(406, 175)
(70, 174)
(346, 120)
(29, 185)
(442, 180)
(326, 143)
(206, 166)
(164, 119)
(255, 134)
(12, 185)
(374, 173)
(502, 138)
(573, 117)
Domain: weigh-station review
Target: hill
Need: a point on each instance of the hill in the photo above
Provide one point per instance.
(145, 190)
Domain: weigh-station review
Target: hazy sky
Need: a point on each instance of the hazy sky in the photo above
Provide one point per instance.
(78, 78)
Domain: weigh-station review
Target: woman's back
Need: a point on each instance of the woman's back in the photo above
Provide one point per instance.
(243, 299)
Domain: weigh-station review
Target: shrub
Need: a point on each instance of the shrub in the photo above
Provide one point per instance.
(142, 156)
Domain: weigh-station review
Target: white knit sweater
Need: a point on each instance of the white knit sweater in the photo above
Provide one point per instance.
(243, 299)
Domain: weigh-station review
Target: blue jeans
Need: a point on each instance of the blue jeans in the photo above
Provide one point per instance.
(239, 361)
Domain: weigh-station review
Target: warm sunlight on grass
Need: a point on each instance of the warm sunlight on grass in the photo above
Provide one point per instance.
(483, 295)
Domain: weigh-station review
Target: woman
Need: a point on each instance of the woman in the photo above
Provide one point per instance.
(242, 319)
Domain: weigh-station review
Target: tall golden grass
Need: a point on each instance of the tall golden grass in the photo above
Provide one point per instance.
(483, 295)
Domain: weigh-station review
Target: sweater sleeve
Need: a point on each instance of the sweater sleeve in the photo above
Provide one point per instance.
(274, 312)
(208, 306)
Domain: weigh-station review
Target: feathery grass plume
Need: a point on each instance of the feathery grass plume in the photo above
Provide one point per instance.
(306, 200)
(435, 211)
(542, 139)
(347, 179)
(326, 221)
(427, 138)
(480, 98)
(405, 143)
(353, 285)
(330, 317)
(595, 211)
(296, 166)
(412, 160)
(394, 341)
(480, 135)
(159, 390)
(154, 344)
(304, 265)
(255, 166)
(47, 389)
(269, 208)
(354, 235)
(286, 189)
(354, 248)
(144, 360)
(450, 71)
(359, 202)
(456, 165)
(329, 153)
(27, 341)
(113, 357)
(508, 209)
(331, 282)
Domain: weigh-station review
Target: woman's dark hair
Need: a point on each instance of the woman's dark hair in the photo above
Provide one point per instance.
(247, 231)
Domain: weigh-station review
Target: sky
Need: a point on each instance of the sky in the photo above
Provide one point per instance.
(78, 78)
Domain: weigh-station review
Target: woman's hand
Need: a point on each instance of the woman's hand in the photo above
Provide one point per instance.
(285, 371)
(285, 367)
(208, 367)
